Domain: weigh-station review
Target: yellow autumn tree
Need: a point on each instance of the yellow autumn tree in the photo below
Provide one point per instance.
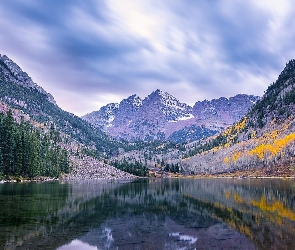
(273, 149)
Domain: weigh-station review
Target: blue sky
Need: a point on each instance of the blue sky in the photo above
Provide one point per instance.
(90, 53)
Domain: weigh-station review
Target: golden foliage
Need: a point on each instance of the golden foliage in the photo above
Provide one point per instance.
(272, 149)
(231, 132)
(261, 150)
(274, 207)
(240, 125)
(237, 198)
(226, 160)
(236, 155)
(227, 194)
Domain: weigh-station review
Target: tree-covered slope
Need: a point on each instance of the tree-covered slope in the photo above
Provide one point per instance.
(278, 100)
(26, 152)
(264, 138)
(18, 91)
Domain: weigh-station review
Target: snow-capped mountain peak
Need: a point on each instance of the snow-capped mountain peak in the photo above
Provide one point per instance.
(160, 115)
(133, 100)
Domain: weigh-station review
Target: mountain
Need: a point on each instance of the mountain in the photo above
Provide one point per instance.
(136, 119)
(20, 93)
(223, 112)
(11, 72)
(161, 116)
(103, 118)
(261, 143)
(211, 117)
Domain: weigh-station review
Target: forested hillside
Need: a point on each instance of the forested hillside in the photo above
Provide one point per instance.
(20, 92)
(29, 147)
(263, 139)
(26, 152)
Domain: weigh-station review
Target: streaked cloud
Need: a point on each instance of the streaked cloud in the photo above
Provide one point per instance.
(89, 53)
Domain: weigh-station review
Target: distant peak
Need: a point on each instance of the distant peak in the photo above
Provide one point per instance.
(161, 93)
(133, 100)
(112, 105)
(133, 97)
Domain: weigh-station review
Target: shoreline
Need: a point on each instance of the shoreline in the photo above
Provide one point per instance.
(63, 179)
(217, 176)
(96, 170)
(20, 180)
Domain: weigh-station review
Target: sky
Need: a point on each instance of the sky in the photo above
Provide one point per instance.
(94, 52)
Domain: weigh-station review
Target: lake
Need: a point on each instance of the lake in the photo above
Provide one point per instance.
(149, 214)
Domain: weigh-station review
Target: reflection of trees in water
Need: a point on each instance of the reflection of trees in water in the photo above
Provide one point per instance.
(262, 210)
(27, 209)
(32, 212)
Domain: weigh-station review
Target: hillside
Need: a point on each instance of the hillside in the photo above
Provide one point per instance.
(262, 143)
(40, 139)
(170, 135)
(160, 116)
(21, 93)
(264, 139)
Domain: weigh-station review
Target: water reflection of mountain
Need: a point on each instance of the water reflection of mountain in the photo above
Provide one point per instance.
(158, 214)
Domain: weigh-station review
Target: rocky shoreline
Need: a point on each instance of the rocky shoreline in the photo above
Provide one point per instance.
(89, 168)
(83, 168)
(37, 179)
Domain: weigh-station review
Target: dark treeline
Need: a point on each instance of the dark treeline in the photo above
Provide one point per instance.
(26, 152)
(173, 168)
(136, 168)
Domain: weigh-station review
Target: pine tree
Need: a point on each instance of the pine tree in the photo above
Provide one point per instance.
(8, 144)
(18, 155)
(1, 162)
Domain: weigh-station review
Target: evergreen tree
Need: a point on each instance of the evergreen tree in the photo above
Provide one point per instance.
(1, 162)
(24, 151)
(8, 144)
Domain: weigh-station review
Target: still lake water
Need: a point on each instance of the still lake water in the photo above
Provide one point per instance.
(148, 214)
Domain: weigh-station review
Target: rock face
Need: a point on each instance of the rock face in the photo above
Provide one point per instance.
(12, 72)
(89, 168)
(161, 116)
(222, 112)
(104, 117)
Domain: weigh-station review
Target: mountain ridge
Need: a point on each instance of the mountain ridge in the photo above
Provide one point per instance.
(261, 143)
(20, 92)
(262, 134)
(14, 73)
(161, 116)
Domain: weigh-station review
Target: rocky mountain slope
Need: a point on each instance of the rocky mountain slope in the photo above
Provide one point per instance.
(262, 143)
(264, 139)
(13, 73)
(161, 116)
(19, 92)
(222, 112)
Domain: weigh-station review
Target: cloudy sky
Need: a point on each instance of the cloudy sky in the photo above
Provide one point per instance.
(90, 53)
